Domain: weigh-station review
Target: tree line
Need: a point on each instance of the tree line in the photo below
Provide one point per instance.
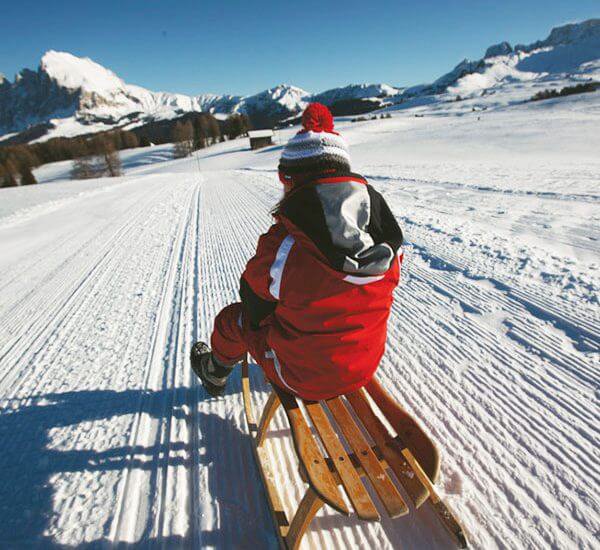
(99, 158)
(203, 131)
(97, 155)
(567, 90)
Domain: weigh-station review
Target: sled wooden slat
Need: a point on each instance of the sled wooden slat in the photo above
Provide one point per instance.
(417, 492)
(371, 465)
(316, 468)
(407, 428)
(246, 393)
(349, 477)
(440, 508)
(450, 523)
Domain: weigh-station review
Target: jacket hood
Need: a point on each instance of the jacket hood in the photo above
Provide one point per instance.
(347, 220)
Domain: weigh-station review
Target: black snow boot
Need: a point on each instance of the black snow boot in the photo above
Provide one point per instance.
(212, 373)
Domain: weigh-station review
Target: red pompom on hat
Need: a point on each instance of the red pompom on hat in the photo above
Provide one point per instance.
(317, 118)
(314, 150)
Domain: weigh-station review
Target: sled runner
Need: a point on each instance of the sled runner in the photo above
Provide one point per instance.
(407, 452)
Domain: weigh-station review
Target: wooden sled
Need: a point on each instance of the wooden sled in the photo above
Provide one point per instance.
(408, 453)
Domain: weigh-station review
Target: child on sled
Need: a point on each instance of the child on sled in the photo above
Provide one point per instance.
(316, 296)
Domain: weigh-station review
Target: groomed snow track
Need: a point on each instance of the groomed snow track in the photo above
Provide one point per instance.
(107, 440)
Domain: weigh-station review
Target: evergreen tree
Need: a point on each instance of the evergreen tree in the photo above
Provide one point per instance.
(23, 156)
(237, 125)
(234, 126)
(79, 148)
(246, 124)
(115, 139)
(11, 171)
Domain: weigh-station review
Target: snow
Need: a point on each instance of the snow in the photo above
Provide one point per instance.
(260, 133)
(356, 91)
(79, 72)
(568, 56)
(494, 336)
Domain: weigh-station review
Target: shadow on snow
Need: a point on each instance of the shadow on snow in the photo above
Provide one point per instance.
(30, 458)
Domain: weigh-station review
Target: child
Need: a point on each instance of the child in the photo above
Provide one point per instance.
(316, 296)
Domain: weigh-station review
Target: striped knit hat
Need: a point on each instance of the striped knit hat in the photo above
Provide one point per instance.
(316, 149)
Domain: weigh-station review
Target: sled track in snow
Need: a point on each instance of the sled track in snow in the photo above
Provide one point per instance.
(96, 390)
(52, 304)
(93, 325)
(139, 489)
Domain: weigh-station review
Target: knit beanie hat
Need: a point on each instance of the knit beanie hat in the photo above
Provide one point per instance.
(316, 149)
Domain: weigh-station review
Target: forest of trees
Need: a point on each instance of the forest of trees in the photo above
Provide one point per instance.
(16, 164)
(99, 159)
(203, 131)
(567, 90)
(94, 156)
(97, 155)
(237, 125)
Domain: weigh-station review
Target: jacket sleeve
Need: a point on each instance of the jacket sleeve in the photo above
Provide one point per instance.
(255, 285)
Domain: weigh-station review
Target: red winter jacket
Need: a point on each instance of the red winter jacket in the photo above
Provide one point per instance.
(322, 281)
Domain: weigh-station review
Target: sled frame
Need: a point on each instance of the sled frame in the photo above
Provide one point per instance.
(415, 466)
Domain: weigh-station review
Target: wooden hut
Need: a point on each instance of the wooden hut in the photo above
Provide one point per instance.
(260, 138)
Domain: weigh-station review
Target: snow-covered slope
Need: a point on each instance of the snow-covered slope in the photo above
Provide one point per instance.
(107, 439)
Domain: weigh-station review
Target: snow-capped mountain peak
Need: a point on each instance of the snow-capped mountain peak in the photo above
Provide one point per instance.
(573, 33)
(570, 53)
(503, 48)
(74, 73)
(285, 95)
(357, 91)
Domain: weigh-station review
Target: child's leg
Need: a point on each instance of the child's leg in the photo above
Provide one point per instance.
(227, 341)
(228, 348)
(231, 340)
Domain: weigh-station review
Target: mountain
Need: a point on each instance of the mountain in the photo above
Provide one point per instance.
(570, 54)
(275, 104)
(69, 95)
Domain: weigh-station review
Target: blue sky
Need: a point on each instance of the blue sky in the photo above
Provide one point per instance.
(244, 47)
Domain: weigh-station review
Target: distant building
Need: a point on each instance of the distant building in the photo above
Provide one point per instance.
(260, 138)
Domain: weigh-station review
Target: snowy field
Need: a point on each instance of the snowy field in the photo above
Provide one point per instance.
(494, 338)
